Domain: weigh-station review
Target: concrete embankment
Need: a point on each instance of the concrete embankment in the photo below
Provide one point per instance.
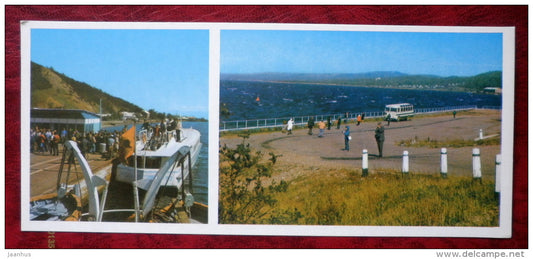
(301, 153)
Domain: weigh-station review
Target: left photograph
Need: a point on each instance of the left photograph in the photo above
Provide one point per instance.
(118, 125)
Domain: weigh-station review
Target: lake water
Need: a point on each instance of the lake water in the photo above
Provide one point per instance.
(200, 169)
(261, 100)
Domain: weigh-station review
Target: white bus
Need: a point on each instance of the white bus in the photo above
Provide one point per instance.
(399, 111)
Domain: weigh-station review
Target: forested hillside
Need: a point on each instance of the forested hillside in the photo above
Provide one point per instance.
(51, 89)
(388, 79)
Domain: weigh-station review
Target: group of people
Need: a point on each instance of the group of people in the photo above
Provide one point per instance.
(43, 141)
(322, 125)
(379, 135)
(379, 132)
(160, 133)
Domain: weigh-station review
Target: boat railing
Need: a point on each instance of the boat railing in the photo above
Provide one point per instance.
(97, 204)
(153, 141)
(302, 120)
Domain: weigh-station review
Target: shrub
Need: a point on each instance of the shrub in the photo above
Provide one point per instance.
(244, 199)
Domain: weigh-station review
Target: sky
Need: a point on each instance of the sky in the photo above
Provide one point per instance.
(164, 70)
(441, 54)
(168, 70)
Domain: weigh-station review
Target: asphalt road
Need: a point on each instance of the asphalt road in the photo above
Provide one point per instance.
(300, 151)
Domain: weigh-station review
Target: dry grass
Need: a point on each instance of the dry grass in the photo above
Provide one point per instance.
(390, 199)
(449, 143)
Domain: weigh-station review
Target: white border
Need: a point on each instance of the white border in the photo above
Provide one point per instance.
(503, 231)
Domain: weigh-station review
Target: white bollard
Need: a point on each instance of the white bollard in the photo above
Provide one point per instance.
(365, 162)
(405, 164)
(480, 134)
(476, 164)
(444, 162)
(498, 173)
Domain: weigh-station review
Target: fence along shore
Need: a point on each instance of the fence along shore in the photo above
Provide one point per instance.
(302, 120)
(477, 173)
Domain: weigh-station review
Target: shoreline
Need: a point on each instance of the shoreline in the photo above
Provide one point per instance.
(362, 86)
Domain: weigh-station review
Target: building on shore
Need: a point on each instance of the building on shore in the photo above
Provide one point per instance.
(80, 120)
(492, 90)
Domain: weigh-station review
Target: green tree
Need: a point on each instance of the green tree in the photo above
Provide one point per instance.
(224, 111)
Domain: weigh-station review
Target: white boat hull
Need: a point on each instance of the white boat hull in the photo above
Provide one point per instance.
(126, 173)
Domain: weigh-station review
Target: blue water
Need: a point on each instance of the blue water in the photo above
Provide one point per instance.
(279, 100)
(200, 169)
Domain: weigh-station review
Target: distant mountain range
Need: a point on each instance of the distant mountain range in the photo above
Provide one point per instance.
(390, 79)
(51, 89)
(311, 77)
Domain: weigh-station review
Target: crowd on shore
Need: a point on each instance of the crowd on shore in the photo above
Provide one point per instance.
(322, 125)
(48, 141)
(45, 141)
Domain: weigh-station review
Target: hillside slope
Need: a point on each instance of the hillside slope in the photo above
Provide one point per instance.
(387, 79)
(51, 89)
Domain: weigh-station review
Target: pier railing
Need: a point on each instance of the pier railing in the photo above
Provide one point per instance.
(302, 120)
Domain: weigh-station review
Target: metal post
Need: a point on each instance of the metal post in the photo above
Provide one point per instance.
(365, 163)
(405, 164)
(444, 163)
(476, 164)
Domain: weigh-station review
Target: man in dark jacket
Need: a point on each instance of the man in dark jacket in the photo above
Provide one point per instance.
(310, 125)
(380, 138)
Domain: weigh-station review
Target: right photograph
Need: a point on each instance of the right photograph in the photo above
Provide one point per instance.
(360, 128)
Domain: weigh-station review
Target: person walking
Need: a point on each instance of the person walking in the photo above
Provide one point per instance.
(85, 146)
(310, 125)
(347, 138)
(321, 128)
(359, 118)
(64, 135)
(92, 139)
(290, 124)
(379, 134)
(55, 143)
(339, 123)
(43, 142)
(346, 116)
(111, 146)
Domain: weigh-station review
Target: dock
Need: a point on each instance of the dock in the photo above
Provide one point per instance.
(44, 169)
